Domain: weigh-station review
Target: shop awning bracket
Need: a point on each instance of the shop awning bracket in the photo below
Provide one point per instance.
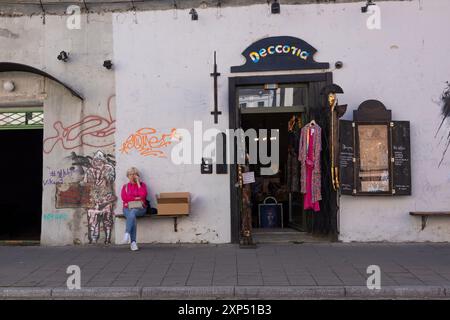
(424, 221)
(215, 74)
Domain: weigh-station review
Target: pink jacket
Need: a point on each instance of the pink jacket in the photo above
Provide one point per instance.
(133, 192)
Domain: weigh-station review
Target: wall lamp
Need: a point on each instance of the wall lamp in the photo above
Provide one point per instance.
(9, 86)
(63, 56)
(275, 7)
(194, 14)
(366, 7)
(108, 64)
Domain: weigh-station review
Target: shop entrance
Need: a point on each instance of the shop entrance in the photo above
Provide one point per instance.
(21, 140)
(285, 104)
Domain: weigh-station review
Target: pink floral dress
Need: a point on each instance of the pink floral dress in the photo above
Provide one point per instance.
(308, 204)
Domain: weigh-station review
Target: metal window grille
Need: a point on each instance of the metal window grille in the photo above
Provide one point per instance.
(10, 120)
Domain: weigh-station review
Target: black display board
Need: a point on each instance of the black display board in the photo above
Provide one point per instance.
(279, 53)
(373, 112)
(401, 152)
(346, 156)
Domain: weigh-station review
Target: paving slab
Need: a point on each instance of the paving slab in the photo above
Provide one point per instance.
(408, 270)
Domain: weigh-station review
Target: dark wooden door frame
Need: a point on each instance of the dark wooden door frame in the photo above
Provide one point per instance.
(234, 122)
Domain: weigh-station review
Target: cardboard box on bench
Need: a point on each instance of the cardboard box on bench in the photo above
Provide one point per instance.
(173, 203)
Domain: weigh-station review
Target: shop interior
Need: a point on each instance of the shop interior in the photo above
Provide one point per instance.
(281, 191)
(277, 204)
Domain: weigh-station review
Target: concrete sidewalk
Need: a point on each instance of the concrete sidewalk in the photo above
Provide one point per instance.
(319, 270)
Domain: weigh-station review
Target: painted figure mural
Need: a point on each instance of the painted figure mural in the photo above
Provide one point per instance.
(100, 175)
(95, 193)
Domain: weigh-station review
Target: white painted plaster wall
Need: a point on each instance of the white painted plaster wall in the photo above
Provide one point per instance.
(163, 82)
(27, 40)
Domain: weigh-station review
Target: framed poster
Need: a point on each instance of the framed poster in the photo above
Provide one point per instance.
(374, 164)
(375, 153)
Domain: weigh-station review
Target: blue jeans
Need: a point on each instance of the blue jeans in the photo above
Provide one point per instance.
(131, 215)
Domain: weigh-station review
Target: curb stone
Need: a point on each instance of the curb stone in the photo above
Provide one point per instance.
(229, 292)
(422, 292)
(25, 293)
(222, 292)
(98, 293)
(447, 291)
(265, 292)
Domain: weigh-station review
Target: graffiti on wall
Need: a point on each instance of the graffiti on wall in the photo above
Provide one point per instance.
(90, 131)
(148, 143)
(95, 192)
(55, 216)
(444, 101)
(57, 176)
(73, 195)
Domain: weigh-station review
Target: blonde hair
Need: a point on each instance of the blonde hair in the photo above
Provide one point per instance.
(132, 170)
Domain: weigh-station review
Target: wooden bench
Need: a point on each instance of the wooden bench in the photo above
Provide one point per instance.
(425, 214)
(156, 216)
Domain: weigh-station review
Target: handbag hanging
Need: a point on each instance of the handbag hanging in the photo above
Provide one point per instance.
(134, 204)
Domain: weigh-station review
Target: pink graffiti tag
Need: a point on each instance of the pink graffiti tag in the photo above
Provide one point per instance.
(147, 142)
(90, 131)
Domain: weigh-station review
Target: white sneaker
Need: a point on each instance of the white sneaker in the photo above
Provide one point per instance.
(126, 238)
(134, 246)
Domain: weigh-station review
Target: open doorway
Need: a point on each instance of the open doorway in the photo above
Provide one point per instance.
(276, 199)
(277, 206)
(21, 140)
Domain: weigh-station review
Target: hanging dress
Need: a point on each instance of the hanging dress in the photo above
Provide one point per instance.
(309, 157)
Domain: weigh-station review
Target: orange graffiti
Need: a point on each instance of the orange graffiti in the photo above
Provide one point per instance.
(90, 131)
(147, 142)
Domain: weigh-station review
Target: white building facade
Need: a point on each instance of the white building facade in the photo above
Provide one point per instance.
(160, 81)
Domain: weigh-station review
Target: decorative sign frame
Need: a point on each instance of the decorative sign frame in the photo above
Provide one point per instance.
(374, 113)
(279, 53)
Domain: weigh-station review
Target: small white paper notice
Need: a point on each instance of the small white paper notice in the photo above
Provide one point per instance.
(248, 177)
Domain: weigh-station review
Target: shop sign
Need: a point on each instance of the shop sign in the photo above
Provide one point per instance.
(279, 53)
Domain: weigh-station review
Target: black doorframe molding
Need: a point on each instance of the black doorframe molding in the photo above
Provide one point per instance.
(234, 119)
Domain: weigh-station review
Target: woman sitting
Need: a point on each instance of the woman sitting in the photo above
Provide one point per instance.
(134, 195)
